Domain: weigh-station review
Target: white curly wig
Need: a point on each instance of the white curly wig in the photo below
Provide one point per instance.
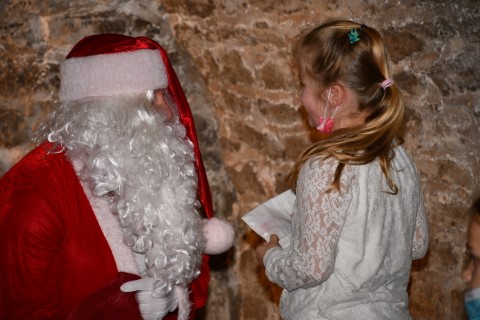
(144, 166)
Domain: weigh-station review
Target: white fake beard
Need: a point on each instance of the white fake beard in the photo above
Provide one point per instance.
(145, 167)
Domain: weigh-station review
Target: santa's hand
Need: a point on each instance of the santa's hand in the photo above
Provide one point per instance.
(151, 308)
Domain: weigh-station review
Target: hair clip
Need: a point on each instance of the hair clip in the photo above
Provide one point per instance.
(353, 36)
(386, 83)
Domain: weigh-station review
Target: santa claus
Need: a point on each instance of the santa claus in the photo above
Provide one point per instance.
(112, 209)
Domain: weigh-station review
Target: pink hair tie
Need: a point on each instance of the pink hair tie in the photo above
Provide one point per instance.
(386, 83)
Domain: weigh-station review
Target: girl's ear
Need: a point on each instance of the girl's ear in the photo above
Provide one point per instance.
(338, 95)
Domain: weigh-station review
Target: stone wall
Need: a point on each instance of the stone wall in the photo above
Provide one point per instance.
(232, 57)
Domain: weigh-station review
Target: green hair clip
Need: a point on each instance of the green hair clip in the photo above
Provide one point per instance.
(353, 36)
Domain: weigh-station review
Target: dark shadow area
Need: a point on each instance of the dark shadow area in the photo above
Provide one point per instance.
(223, 261)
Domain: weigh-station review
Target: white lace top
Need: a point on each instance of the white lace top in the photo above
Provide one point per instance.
(350, 253)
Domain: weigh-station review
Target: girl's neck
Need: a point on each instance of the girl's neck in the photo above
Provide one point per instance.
(348, 114)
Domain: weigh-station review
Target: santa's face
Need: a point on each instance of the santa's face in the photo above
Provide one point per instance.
(162, 103)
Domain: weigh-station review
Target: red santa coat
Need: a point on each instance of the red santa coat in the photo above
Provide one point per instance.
(53, 254)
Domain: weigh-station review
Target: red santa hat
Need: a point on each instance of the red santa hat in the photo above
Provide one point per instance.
(110, 64)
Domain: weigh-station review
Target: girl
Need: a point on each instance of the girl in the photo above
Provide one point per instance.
(359, 217)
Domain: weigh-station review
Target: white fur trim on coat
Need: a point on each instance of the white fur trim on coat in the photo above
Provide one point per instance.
(112, 74)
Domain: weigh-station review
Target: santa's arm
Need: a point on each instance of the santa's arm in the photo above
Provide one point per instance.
(30, 242)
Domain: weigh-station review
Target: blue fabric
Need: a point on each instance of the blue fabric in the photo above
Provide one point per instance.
(472, 304)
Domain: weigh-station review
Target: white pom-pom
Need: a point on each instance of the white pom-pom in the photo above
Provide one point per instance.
(219, 235)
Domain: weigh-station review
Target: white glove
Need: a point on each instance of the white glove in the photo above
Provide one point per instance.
(151, 308)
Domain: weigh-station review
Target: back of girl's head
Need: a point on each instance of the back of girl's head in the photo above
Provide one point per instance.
(326, 55)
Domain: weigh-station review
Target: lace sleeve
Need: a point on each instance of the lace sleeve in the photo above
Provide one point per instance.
(317, 221)
(420, 238)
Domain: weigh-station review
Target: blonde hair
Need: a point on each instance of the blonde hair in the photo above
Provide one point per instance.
(325, 55)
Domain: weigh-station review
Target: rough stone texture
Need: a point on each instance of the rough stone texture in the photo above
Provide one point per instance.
(232, 57)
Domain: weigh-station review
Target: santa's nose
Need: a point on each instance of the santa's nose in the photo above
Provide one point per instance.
(161, 104)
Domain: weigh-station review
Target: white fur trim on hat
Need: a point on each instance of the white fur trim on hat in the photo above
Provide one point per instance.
(112, 74)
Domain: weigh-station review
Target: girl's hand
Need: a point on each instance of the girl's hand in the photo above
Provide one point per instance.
(263, 248)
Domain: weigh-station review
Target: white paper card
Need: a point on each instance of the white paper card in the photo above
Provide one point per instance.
(273, 217)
